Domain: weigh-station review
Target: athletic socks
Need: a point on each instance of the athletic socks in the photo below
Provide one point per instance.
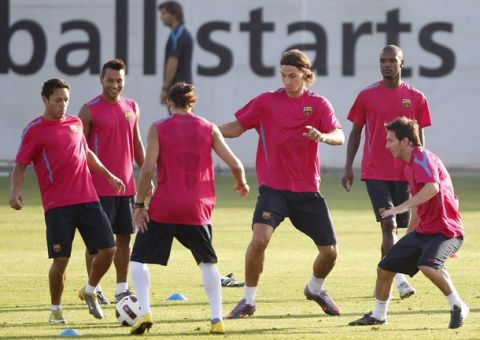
(315, 285)
(213, 288)
(121, 287)
(454, 300)
(399, 279)
(380, 311)
(89, 289)
(141, 282)
(249, 294)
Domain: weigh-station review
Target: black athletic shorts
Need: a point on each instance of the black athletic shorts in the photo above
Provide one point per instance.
(386, 195)
(89, 218)
(119, 213)
(155, 245)
(414, 250)
(307, 211)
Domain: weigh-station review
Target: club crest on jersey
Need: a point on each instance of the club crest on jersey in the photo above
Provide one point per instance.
(307, 110)
(74, 128)
(406, 102)
(266, 215)
(128, 115)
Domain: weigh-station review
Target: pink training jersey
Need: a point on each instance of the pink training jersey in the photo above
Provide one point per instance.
(57, 150)
(439, 215)
(375, 106)
(185, 192)
(111, 139)
(286, 160)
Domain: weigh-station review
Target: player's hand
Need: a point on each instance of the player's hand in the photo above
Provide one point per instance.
(242, 189)
(141, 219)
(16, 201)
(313, 134)
(117, 184)
(393, 211)
(347, 179)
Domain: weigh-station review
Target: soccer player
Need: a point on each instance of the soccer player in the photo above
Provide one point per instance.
(111, 127)
(377, 104)
(55, 144)
(435, 231)
(180, 147)
(291, 122)
(177, 65)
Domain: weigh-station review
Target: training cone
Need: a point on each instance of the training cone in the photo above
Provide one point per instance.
(69, 332)
(176, 297)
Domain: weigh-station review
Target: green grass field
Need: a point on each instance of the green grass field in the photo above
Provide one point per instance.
(282, 310)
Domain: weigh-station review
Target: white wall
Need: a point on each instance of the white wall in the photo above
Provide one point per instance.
(452, 96)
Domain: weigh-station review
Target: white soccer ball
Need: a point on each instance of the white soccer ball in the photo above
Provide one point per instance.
(127, 310)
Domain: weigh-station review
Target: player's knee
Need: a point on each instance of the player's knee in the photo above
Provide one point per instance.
(427, 271)
(383, 274)
(106, 252)
(389, 226)
(258, 244)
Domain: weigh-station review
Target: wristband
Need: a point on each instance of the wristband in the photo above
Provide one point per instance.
(138, 205)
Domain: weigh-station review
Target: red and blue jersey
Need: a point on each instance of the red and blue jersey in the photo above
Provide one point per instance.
(373, 108)
(185, 191)
(286, 160)
(440, 213)
(57, 150)
(111, 139)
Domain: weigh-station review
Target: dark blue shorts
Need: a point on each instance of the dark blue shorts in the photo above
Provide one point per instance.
(307, 211)
(119, 213)
(414, 250)
(90, 220)
(386, 195)
(155, 245)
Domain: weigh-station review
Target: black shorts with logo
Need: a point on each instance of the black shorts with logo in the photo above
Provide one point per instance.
(414, 250)
(90, 220)
(385, 195)
(155, 245)
(307, 211)
(119, 213)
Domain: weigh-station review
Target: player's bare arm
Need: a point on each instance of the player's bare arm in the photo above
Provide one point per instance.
(18, 177)
(96, 166)
(334, 137)
(85, 116)
(236, 167)
(140, 214)
(427, 192)
(138, 148)
(232, 129)
(352, 148)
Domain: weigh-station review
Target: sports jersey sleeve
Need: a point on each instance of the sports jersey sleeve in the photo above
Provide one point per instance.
(423, 116)
(248, 115)
(357, 114)
(424, 168)
(329, 122)
(27, 150)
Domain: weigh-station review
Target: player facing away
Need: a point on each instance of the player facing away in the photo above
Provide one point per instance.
(291, 123)
(55, 145)
(111, 127)
(377, 104)
(435, 231)
(180, 147)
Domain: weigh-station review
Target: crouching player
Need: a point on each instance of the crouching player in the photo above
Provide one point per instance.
(435, 231)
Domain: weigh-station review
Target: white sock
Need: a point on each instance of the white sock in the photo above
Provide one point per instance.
(122, 287)
(454, 300)
(315, 285)
(249, 294)
(141, 282)
(380, 311)
(213, 288)
(55, 307)
(98, 288)
(399, 279)
(89, 289)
